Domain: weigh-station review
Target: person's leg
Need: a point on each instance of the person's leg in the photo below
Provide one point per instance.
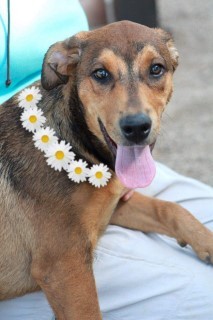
(150, 277)
(142, 276)
(33, 306)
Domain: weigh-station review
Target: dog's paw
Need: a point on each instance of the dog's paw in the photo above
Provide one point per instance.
(205, 253)
(203, 245)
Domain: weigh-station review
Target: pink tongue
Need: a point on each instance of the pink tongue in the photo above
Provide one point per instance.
(135, 166)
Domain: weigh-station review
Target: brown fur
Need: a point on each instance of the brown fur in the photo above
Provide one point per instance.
(49, 226)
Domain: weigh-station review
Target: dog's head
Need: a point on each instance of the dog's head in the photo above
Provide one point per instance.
(123, 75)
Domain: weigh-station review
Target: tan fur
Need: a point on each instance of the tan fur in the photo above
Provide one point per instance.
(50, 226)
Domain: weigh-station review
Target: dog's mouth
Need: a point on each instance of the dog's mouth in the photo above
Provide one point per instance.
(111, 143)
(134, 165)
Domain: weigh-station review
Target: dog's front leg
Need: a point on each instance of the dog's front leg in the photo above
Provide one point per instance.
(153, 215)
(62, 263)
(68, 282)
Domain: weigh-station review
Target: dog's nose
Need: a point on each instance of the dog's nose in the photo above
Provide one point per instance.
(136, 128)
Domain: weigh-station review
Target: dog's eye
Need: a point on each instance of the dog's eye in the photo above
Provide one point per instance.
(101, 75)
(157, 70)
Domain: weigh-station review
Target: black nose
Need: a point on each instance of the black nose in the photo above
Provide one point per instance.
(136, 128)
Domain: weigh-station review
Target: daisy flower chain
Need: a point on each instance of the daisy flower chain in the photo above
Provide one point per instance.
(58, 154)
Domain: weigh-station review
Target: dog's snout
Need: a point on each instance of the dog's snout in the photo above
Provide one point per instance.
(136, 128)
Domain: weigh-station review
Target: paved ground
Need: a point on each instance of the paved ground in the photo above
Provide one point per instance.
(186, 140)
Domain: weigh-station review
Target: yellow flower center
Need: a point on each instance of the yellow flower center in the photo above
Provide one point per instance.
(78, 170)
(29, 97)
(59, 155)
(99, 175)
(45, 139)
(32, 119)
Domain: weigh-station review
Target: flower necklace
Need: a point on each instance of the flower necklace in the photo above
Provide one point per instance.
(59, 155)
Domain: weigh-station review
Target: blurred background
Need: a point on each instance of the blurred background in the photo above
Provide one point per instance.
(186, 140)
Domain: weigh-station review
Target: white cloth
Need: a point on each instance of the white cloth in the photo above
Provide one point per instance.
(144, 277)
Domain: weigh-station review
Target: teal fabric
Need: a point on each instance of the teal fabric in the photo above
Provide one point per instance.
(35, 25)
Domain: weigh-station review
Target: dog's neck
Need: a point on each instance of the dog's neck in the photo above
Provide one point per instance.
(66, 116)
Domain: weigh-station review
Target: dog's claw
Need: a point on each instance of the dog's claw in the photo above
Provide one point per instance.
(206, 255)
(208, 259)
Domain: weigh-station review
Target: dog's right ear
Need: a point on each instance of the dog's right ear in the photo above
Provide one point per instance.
(60, 61)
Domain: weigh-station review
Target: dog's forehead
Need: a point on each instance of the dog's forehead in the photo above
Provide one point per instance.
(124, 39)
(123, 32)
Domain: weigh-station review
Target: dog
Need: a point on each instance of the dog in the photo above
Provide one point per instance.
(102, 91)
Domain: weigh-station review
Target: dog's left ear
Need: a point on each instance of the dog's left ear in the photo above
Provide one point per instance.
(171, 47)
(60, 61)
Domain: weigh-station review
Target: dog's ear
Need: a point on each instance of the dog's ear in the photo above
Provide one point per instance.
(60, 61)
(171, 47)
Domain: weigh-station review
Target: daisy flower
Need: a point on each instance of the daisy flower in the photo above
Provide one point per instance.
(59, 155)
(29, 97)
(78, 171)
(32, 119)
(99, 175)
(44, 138)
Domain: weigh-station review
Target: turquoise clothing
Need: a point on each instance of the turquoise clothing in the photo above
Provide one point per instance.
(34, 26)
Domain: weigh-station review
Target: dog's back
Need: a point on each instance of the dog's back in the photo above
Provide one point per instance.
(28, 193)
(15, 227)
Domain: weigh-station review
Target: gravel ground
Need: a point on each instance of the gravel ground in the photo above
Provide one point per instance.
(186, 140)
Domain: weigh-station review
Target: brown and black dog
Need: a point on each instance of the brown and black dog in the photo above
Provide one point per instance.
(100, 89)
